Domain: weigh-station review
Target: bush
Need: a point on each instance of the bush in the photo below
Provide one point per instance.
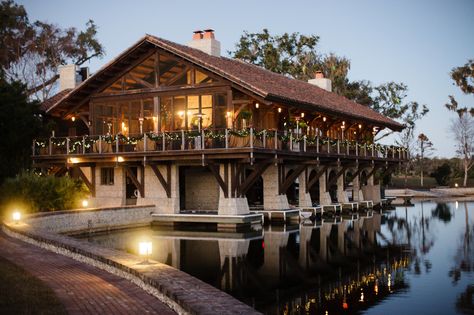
(32, 193)
(441, 174)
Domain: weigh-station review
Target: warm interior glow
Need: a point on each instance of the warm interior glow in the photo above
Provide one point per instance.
(85, 203)
(144, 248)
(181, 113)
(16, 216)
(228, 114)
(120, 159)
(74, 160)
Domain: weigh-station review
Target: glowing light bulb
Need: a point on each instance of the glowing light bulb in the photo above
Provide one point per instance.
(324, 119)
(279, 109)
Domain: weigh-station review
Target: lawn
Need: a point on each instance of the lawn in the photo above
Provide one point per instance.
(22, 293)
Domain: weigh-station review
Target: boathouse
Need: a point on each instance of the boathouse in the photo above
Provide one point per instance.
(184, 128)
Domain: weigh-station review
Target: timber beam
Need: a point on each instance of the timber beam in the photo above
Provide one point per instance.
(283, 187)
(338, 174)
(165, 183)
(223, 183)
(315, 179)
(252, 178)
(140, 185)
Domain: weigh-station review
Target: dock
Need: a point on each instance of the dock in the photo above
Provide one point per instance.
(225, 223)
(279, 215)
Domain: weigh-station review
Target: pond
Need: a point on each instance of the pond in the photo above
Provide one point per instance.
(409, 260)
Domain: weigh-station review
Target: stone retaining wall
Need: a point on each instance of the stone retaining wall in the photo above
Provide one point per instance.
(180, 291)
(91, 219)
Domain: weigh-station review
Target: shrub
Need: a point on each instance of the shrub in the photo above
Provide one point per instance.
(441, 174)
(32, 193)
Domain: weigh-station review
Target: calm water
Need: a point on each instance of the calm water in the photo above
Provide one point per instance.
(415, 260)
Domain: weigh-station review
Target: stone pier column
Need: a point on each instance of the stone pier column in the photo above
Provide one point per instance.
(372, 191)
(341, 193)
(304, 197)
(230, 205)
(324, 197)
(272, 200)
(156, 194)
(356, 188)
(275, 242)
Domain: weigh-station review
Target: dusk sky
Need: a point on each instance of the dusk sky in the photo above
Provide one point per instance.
(415, 42)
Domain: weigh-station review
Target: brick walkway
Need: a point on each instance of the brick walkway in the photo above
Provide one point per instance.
(81, 288)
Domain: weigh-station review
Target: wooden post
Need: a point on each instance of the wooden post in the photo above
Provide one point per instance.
(83, 145)
(329, 146)
(67, 146)
(276, 139)
(100, 144)
(226, 138)
(164, 141)
(251, 137)
(304, 143)
(202, 139)
(116, 144)
(338, 147)
(145, 140)
(291, 141)
(33, 148)
(182, 140)
(317, 144)
(264, 138)
(50, 146)
(373, 149)
(357, 148)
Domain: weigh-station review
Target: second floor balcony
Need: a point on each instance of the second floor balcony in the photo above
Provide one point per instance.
(226, 141)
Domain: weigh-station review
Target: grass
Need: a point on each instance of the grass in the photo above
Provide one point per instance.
(22, 293)
(413, 182)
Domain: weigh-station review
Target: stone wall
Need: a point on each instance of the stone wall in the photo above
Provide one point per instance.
(109, 195)
(91, 219)
(202, 190)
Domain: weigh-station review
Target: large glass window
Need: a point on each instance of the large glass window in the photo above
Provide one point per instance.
(166, 113)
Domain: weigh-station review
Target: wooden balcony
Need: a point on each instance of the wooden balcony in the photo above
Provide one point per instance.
(224, 143)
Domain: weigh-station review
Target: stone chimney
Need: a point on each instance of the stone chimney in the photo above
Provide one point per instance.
(322, 82)
(71, 75)
(206, 42)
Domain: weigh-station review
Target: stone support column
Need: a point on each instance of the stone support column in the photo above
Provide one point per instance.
(272, 200)
(372, 191)
(324, 197)
(356, 188)
(341, 193)
(304, 197)
(230, 205)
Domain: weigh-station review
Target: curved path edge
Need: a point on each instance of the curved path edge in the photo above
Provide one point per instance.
(181, 292)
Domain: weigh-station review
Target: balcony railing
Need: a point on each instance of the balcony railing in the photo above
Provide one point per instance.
(227, 139)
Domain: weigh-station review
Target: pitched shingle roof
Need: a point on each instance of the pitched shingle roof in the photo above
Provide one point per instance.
(267, 84)
(53, 99)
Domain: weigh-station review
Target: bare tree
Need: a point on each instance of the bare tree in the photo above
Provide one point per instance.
(462, 129)
(425, 146)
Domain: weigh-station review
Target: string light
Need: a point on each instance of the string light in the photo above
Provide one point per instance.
(302, 115)
(324, 119)
(279, 109)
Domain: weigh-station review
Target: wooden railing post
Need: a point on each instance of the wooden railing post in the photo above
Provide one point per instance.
(202, 140)
(304, 143)
(276, 139)
(317, 144)
(83, 145)
(251, 137)
(145, 140)
(116, 143)
(291, 141)
(226, 138)
(329, 146)
(50, 146)
(373, 147)
(264, 138)
(182, 140)
(33, 148)
(338, 147)
(67, 146)
(357, 148)
(100, 144)
(163, 138)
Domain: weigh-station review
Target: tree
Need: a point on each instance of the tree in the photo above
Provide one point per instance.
(296, 56)
(32, 52)
(462, 127)
(441, 174)
(425, 144)
(20, 122)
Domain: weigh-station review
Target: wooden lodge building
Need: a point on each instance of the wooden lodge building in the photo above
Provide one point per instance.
(184, 128)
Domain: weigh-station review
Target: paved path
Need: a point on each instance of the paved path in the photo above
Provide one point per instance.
(82, 289)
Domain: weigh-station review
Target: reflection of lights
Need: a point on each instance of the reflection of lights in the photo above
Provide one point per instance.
(361, 296)
(345, 305)
(376, 288)
(389, 283)
(16, 216)
(457, 204)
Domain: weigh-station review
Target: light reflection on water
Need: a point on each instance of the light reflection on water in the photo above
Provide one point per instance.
(415, 260)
